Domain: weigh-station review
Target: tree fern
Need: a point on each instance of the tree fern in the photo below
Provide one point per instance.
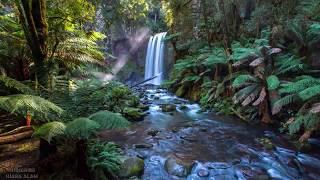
(109, 120)
(81, 128)
(14, 84)
(50, 130)
(21, 104)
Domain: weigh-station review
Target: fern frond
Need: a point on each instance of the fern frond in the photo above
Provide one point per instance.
(109, 120)
(36, 105)
(81, 128)
(243, 93)
(279, 104)
(50, 130)
(12, 83)
(242, 79)
(104, 155)
(300, 85)
(309, 92)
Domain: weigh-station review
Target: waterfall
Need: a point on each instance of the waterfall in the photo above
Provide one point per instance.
(154, 59)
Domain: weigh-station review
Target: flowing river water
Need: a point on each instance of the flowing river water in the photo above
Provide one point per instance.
(194, 145)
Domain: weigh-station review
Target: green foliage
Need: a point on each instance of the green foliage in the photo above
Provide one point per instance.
(92, 96)
(103, 155)
(273, 82)
(41, 108)
(14, 84)
(50, 130)
(81, 128)
(109, 120)
(242, 79)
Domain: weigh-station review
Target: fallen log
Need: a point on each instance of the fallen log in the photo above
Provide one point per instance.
(17, 130)
(15, 137)
(144, 81)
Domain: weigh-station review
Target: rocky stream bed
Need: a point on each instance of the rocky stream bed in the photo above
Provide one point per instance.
(176, 140)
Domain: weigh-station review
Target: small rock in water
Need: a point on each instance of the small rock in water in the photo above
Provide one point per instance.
(168, 107)
(203, 173)
(183, 107)
(188, 138)
(153, 132)
(175, 129)
(143, 145)
(176, 167)
(261, 177)
(203, 129)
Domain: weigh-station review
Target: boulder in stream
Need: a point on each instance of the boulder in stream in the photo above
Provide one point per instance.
(168, 107)
(131, 166)
(177, 167)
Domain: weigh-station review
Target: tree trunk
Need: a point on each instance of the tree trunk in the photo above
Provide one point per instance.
(46, 149)
(34, 23)
(82, 167)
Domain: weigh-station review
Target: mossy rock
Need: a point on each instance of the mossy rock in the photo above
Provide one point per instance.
(266, 143)
(181, 91)
(131, 166)
(168, 107)
(133, 114)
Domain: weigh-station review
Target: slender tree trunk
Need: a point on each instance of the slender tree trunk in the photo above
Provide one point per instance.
(34, 23)
(82, 167)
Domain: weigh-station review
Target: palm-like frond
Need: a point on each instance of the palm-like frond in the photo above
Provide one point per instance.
(284, 101)
(14, 84)
(289, 64)
(76, 51)
(310, 92)
(50, 130)
(244, 93)
(218, 56)
(313, 35)
(242, 79)
(81, 128)
(21, 104)
(301, 84)
(109, 120)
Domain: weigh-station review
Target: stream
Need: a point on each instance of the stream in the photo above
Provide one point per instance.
(194, 145)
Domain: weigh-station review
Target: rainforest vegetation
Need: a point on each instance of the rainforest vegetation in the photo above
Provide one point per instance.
(72, 72)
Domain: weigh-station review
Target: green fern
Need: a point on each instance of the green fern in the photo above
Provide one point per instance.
(103, 155)
(14, 84)
(81, 128)
(21, 104)
(284, 101)
(242, 79)
(50, 130)
(273, 82)
(301, 84)
(109, 120)
(310, 92)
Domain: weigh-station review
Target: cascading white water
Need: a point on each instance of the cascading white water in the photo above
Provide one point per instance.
(154, 59)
